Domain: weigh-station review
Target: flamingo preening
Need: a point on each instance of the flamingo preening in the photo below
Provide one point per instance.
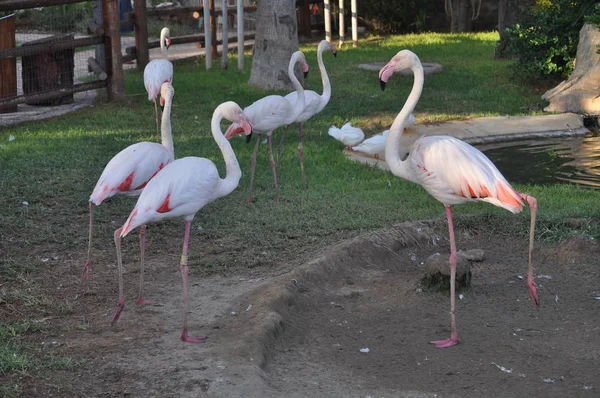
(181, 189)
(452, 171)
(129, 171)
(159, 71)
(270, 113)
(313, 104)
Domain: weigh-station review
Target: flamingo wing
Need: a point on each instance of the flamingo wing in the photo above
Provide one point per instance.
(130, 170)
(312, 104)
(455, 172)
(268, 113)
(157, 72)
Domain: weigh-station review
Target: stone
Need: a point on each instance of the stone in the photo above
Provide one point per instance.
(428, 68)
(476, 255)
(437, 272)
(579, 93)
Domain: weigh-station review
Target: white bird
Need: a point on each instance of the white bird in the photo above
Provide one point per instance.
(129, 171)
(347, 134)
(159, 71)
(270, 113)
(181, 189)
(452, 171)
(313, 104)
(375, 146)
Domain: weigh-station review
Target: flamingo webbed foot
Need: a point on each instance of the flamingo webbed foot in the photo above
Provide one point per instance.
(533, 293)
(143, 301)
(191, 339)
(118, 311)
(86, 269)
(452, 341)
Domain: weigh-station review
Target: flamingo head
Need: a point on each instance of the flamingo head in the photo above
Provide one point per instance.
(305, 67)
(240, 121)
(405, 59)
(246, 126)
(166, 91)
(168, 41)
(325, 45)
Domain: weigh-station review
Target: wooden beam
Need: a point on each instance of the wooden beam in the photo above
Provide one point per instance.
(213, 29)
(173, 12)
(240, 33)
(112, 46)
(9, 5)
(354, 23)
(21, 99)
(141, 33)
(50, 47)
(341, 24)
(187, 39)
(224, 36)
(94, 66)
(207, 35)
(94, 28)
(327, 14)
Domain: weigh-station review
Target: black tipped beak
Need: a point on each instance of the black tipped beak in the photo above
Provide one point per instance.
(305, 74)
(248, 138)
(382, 85)
(335, 55)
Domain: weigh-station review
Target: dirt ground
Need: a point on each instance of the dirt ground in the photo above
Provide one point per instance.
(298, 332)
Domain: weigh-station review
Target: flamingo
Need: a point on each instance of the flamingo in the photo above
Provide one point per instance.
(270, 113)
(313, 104)
(129, 171)
(159, 71)
(347, 134)
(375, 145)
(182, 188)
(452, 171)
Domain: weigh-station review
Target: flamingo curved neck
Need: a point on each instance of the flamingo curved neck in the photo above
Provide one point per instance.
(299, 89)
(165, 127)
(232, 167)
(163, 47)
(324, 77)
(393, 147)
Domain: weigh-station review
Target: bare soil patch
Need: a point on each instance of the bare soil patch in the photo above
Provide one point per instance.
(297, 331)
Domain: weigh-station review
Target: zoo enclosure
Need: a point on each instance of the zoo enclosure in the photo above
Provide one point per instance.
(50, 66)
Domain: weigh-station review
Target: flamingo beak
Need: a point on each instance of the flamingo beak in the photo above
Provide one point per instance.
(168, 42)
(305, 69)
(334, 50)
(247, 128)
(385, 73)
(381, 85)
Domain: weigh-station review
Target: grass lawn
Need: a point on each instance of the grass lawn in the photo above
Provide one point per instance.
(53, 166)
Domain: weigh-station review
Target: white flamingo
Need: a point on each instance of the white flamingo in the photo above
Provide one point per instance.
(159, 71)
(452, 171)
(181, 189)
(375, 145)
(313, 104)
(347, 134)
(129, 171)
(270, 113)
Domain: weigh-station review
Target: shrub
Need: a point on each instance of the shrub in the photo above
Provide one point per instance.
(545, 43)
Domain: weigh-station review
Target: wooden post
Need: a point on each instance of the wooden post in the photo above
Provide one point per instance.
(224, 34)
(240, 33)
(112, 49)
(207, 34)
(354, 23)
(8, 67)
(99, 49)
(140, 24)
(341, 24)
(213, 29)
(327, 14)
(305, 18)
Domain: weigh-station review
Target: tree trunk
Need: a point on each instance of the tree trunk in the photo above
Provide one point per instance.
(462, 12)
(275, 41)
(509, 13)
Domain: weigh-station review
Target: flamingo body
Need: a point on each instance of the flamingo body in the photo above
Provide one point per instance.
(347, 134)
(157, 72)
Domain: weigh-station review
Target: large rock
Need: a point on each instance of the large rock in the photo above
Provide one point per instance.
(579, 93)
(437, 272)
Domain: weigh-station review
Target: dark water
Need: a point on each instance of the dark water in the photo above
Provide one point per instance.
(569, 160)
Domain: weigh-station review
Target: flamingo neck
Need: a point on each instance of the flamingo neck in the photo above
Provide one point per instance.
(165, 127)
(299, 90)
(324, 78)
(232, 167)
(393, 147)
(163, 47)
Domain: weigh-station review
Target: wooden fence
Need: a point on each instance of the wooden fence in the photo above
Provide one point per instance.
(107, 35)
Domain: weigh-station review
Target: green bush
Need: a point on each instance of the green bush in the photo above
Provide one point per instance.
(545, 43)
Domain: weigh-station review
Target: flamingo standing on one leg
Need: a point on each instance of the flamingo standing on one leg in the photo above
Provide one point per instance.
(270, 113)
(159, 71)
(129, 171)
(452, 171)
(313, 104)
(182, 188)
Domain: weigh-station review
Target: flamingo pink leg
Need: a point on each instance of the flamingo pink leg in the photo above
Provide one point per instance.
(301, 155)
(88, 262)
(184, 273)
(273, 167)
(280, 146)
(140, 300)
(530, 282)
(453, 340)
(121, 303)
(250, 197)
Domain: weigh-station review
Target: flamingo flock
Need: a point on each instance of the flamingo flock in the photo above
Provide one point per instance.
(450, 170)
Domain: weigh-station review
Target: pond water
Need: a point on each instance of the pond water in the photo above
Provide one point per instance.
(572, 160)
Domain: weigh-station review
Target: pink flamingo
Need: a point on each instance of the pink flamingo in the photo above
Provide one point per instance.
(452, 171)
(313, 104)
(269, 113)
(181, 189)
(129, 171)
(159, 71)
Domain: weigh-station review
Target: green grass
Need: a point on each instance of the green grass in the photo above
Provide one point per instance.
(54, 164)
